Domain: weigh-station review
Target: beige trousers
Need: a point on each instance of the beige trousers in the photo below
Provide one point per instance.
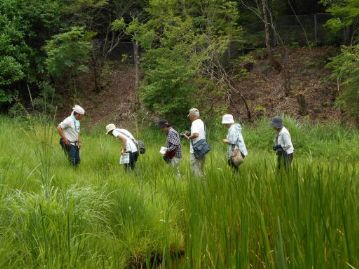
(197, 165)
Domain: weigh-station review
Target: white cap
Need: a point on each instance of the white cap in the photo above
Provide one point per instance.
(227, 119)
(193, 111)
(110, 127)
(78, 109)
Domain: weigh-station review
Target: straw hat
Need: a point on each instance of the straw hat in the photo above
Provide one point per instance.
(110, 127)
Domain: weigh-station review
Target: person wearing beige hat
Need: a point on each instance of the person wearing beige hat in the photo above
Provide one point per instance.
(69, 131)
(129, 144)
(197, 134)
(237, 149)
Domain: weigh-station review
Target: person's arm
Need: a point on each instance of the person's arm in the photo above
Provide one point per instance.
(124, 142)
(79, 141)
(62, 135)
(232, 137)
(174, 142)
(192, 136)
(286, 141)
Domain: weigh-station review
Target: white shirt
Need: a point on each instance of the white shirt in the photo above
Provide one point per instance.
(285, 141)
(197, 127)
(71, 128)
(130, 144)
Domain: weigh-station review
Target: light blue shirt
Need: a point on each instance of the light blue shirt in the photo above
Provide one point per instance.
(235, 137)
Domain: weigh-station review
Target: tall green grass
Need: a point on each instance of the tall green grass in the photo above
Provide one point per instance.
(98, 216)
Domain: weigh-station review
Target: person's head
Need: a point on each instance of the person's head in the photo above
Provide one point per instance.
(109, 128)
(227, 120)
(164, 125)
(78, 112)
(193, 114)
(277, 123)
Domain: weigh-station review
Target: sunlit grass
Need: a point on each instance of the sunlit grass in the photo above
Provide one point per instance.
(98, 216)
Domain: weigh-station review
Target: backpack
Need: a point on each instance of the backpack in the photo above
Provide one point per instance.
(140, 146)
(139, 143)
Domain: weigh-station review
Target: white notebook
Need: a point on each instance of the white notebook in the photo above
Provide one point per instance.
(125, 158)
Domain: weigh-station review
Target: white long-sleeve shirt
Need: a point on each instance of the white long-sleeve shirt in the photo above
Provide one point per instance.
(285, 141)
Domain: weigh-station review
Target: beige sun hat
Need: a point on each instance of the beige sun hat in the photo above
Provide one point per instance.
(110, 127)
(227, 119)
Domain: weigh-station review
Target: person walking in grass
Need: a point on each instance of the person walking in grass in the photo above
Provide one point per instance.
(173, 153)
(197, 135)
(237, 150)
(69, 131)
(283, 144)
(129, 145)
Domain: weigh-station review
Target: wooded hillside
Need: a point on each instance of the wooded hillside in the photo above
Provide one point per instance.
(180, 53)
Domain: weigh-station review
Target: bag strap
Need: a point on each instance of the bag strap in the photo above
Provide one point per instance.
(205, 133)
(132, 139)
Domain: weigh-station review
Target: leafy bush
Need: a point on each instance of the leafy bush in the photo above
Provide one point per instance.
(68, 53)
(345, 68)
(183, 53)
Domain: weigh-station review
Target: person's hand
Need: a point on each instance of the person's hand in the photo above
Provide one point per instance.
(66, 141)
(225, 141)
(277, 147)
(79, 144)
(123, 152)
(166, 159)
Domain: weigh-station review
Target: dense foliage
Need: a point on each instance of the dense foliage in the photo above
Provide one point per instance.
(182, 42)
(46, 44)
(345, 66)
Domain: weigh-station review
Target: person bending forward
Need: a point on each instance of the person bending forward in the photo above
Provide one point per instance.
(129, 144)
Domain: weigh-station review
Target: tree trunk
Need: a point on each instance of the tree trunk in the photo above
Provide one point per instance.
(267, 29)
(96, 74)
(136, 60)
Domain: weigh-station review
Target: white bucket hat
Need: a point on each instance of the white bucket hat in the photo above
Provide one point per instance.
(79, 110)
(110, 127)
(227, 119)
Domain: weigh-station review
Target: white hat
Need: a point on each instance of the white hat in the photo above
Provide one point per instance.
(110, 127)
(79, 110)
(227, 119)
(193, 111)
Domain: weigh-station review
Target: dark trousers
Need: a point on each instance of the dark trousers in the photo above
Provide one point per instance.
(133, 159)
(284, 160)
(72, 152)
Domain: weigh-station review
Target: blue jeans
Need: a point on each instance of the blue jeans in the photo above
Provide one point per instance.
(72, 152)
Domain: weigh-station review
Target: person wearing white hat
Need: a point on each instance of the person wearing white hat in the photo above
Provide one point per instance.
(198, 133)
(129, 144)
(237, 149)
(69, 131)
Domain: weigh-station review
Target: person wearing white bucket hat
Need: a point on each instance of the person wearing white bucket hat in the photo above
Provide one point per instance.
(129, 145)
(237, 149)
(69, 131)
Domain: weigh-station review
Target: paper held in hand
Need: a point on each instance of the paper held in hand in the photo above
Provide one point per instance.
(125, 158)
(163, 150)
